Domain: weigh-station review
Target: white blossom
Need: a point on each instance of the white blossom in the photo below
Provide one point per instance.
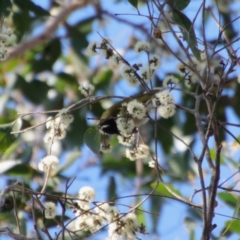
(131, 222)
(154, 62)
(128, 74)
(48, 138)
(84, 205)
(139, 152)
(57, 130)
(87, 194)
(164, 97)
(50, 210)
(66, 119)
(116, 60)
(147, 73)
(142, 46)
(3, 54)
(124, 228)
(167, 111)
(3, 39)
(151, 164)
(112, 214)
(131, 154)
(136, 109)
(170, 80)
(142, 151)
(86, 88)
(11, 40)
(107, 52)
(126, 141)
(105, 148)
(92, 49)
(155, 101)
(102, 209)
(48, 162)
(125, 125)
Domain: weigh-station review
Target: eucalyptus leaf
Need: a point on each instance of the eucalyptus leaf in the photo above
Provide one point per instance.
(133, 3)
(187, 29)
(92, 139)
(179, 4)
(6, 136)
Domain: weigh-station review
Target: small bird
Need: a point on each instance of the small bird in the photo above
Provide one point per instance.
(108, 124)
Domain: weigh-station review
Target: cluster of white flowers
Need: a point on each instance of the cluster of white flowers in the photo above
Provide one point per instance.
(151, 164)
(154, 62)
(50, 210)
(200, 67)
(170, 80)
(105, 148)
(142, 46)
(87, 194)
(136, 109)
(57, 126)
(116, 59)
(139, 152)
(102, 47)
(129, 74)
(190, 77)
(130, 116)
(86, 220)
(92, 48)
(165, 103)
(47, 163)
(6, 39)
(147, 73)
(126, 141)
(123, 228)
(93, 219)
(125, 124)
(86, 88)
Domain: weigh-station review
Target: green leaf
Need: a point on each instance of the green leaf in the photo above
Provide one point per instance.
(180, 166)
(70, 159)
(23, 170)
(8, 164)
(112, 194)
(6, 138)
(133, 3)
(186, 27)
(156, 204)
(178, 4)
(92, 139)
(28, 5)
(47, 56)
(78, 40)
(35, 90)
(5, 7)
(233, 226)
(161, 189)
(213, 156)
(102, 79)
(229, 198)
(66, 80)
(123, 165)
(22, 22)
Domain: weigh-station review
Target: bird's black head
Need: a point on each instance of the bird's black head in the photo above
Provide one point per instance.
(109, 126)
